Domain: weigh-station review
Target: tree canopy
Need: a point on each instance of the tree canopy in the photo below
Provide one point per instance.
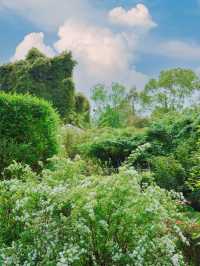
(173, 90)
(113, 106)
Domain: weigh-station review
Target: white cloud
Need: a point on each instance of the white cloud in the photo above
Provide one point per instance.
(179, 50)
(98, 48)
(102, 55)
(31, 40)
(50, 14)
(138, 16)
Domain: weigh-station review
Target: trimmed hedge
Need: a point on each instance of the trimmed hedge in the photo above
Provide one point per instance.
(28, 130)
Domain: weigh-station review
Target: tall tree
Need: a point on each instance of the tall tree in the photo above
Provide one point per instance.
(173, 90)
(114, 105)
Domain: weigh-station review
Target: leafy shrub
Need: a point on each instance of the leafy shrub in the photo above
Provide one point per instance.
(192, 232)
(78, 220)
(70, 136)
(174, 129)
(112, 146)
(193, 181)
(28, 130)
(138, 156)
(168, 172)
(173, 134)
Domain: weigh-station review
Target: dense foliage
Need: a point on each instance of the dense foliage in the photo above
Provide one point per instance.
(122, 190)
(48, 78)
(111, 146)
(168, 147)
(72, 219)
(28, 130)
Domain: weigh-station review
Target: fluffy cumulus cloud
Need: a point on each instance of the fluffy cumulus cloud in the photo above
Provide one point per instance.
(31, 40)
(103, 56)
(138, 16)
(97, 47)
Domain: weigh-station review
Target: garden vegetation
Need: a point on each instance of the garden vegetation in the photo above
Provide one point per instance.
(117, 186)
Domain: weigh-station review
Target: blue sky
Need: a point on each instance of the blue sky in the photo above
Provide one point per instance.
(110, 44)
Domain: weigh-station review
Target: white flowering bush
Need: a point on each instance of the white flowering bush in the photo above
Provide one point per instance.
(56, 220)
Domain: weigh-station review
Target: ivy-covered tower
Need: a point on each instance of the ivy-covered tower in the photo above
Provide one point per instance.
(48, 78)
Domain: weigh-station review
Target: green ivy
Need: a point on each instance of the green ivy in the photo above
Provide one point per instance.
(48, 78)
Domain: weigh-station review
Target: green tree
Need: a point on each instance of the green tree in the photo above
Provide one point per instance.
(173, 90)
(113, 106)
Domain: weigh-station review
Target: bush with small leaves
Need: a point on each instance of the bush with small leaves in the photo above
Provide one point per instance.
(72, 219)
(28, 130)
(168, 172)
